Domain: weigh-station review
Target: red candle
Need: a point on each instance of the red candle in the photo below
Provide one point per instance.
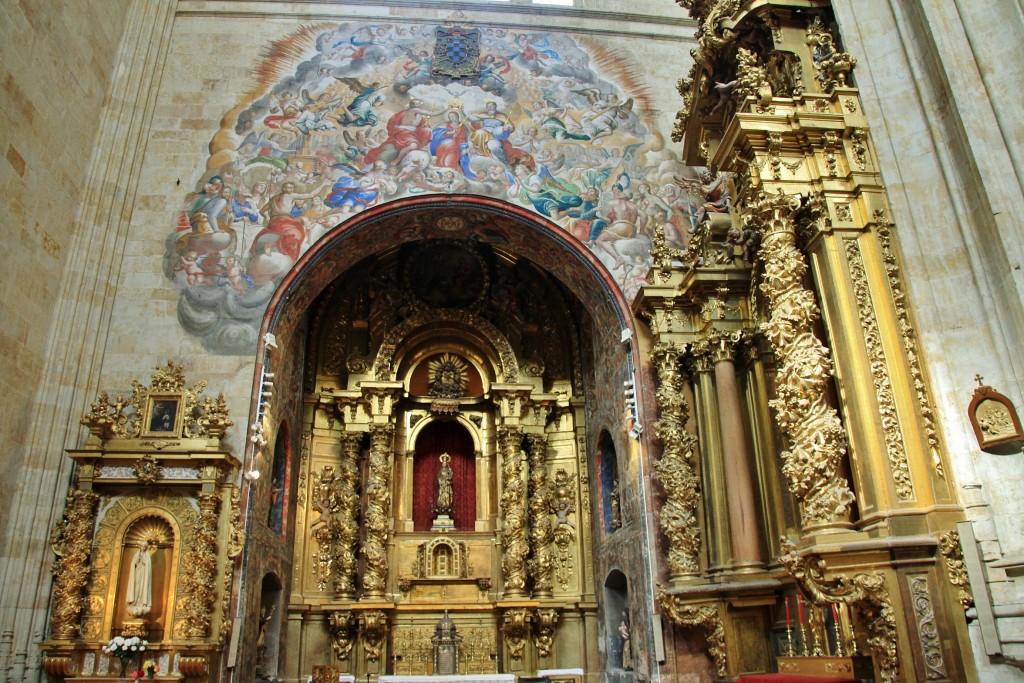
(800, 608)
(835, 613)
(787, 612)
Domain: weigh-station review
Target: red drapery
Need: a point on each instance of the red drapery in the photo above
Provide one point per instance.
(435, 439)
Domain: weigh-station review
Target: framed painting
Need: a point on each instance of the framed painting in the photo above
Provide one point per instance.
(163, 415)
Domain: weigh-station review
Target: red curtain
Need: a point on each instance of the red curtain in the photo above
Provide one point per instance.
(435, 439)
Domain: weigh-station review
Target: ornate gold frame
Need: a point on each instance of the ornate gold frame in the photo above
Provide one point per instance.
(161, 400)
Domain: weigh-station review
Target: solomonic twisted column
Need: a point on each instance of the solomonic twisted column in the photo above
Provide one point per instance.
(513, 511)
(542, 535)
(348, 514)
(816, 437)
(681, 485)
(378, 510)
(72, 541)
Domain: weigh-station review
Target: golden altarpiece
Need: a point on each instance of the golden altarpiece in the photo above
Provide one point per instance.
(150, 532)
(804, 517)
(793, 408)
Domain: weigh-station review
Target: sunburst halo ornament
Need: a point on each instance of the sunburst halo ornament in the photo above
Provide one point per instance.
(448, 376)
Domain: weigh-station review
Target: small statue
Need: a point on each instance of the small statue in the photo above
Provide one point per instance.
(616, 506)
(140, 581)
(627, 648)
(444, 486)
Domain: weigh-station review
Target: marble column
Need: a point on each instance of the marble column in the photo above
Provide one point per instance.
(743, 522)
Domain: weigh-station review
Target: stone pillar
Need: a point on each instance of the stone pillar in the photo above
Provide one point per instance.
(742, 504)
(377, 521)
(513, 512)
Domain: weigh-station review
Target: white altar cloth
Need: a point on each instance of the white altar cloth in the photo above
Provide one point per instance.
(469, 678)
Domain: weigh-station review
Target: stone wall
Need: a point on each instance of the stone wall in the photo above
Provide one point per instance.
(938, 80)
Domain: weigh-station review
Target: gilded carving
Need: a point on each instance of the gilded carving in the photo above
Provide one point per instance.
(342, 624)
(909, 337)
(817, 443)
(956, 570)
(829, 145)
(541, 564)
(751, 81)
(858, 139)
(378, 510)
(324, 529)
(348, 516)
(235, 545)
(122, 417)
(927, 631)
(374, 626)
(383, 364)
(705, 617)
(681, 486)
(147, 469)
(513, 510)
(544, 621)
(865, 594)
(563, 504)
(199, 570)
(515, 628)
(899, 467)
(832, 65)
(71, 541)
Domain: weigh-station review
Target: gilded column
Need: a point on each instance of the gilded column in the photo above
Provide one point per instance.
(541, 564)
(378, 510)
(679, 520)
(711, 475)
(200, 569)
(71, 541)
(817, 444)
(347, 535)
(513, 512)
(746, 535)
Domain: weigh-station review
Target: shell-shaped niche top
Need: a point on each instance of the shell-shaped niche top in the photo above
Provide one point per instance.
(168, 408)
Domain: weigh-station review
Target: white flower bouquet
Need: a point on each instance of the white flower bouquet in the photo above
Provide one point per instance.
(125, 648)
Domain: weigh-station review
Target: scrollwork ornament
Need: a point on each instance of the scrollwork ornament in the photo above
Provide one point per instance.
(899, 298)
(71, 541)
(817, 442)
(865, 594)
(751, 81)
(898, 465)
(927, 631)
(342, 625)
(544, 630)
(956, 570)
(679, 521)
(515, 628)
(705, 617)
(374, 625)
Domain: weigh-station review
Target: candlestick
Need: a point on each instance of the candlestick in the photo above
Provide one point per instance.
(800, 624)
(789, 630)
(838, 631)
(817, 633)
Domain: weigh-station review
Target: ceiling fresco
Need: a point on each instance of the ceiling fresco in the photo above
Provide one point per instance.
(346, 117)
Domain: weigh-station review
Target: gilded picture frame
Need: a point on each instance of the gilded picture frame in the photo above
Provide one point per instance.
(163, 415)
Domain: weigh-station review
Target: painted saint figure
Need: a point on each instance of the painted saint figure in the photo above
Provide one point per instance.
(139, 596)
(444, 486)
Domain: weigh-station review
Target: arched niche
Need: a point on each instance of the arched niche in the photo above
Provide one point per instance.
(145, 578)
(608, 475)
(616, 614)
(434, 439)
(268, 640)
(279, 481)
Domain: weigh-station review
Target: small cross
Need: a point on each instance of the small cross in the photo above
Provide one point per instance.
(979, 379)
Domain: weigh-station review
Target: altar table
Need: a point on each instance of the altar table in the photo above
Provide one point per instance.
(788, 678)
(468, 678)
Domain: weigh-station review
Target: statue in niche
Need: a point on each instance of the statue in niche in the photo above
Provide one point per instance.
(616, 506)
(444, 486)
(627, 648)
(140, 581)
